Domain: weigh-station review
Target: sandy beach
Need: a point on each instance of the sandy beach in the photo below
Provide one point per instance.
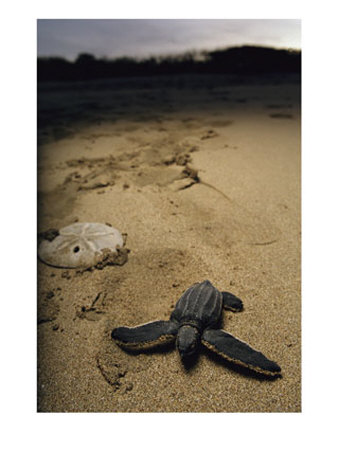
(203, 175)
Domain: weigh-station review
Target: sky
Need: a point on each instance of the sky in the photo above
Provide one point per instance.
(145, 37)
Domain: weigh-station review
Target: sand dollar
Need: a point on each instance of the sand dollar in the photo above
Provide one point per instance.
(80, 245)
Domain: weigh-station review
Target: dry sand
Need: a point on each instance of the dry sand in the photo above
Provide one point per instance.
(129, 153)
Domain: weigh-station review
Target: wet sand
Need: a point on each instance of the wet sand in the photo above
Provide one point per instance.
(203, 174)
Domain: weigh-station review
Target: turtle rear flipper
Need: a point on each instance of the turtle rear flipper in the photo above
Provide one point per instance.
(146, 336)
(231, 302)
(238, 352)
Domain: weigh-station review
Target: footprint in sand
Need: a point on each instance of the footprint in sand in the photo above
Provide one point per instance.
(48, 307)
(209, 134)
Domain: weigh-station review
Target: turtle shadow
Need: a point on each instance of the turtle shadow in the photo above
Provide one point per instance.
(164, 348)
(188, 363)
(248, 373)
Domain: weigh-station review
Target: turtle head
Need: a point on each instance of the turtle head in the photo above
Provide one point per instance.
(188, 339)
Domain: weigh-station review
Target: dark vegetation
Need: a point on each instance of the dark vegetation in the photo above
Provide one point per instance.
(244, 60)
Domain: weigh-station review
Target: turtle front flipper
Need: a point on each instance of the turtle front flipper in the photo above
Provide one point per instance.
(238, 352)
(145, 336)
(231, 302)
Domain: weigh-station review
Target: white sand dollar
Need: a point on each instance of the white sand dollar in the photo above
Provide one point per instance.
(80, 245)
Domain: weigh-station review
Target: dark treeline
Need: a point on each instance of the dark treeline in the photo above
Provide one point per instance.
(236, 60)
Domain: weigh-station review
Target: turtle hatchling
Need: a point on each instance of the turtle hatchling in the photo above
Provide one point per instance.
(196, 319)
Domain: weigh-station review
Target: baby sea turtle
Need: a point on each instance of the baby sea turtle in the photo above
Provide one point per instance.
(196, 318)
